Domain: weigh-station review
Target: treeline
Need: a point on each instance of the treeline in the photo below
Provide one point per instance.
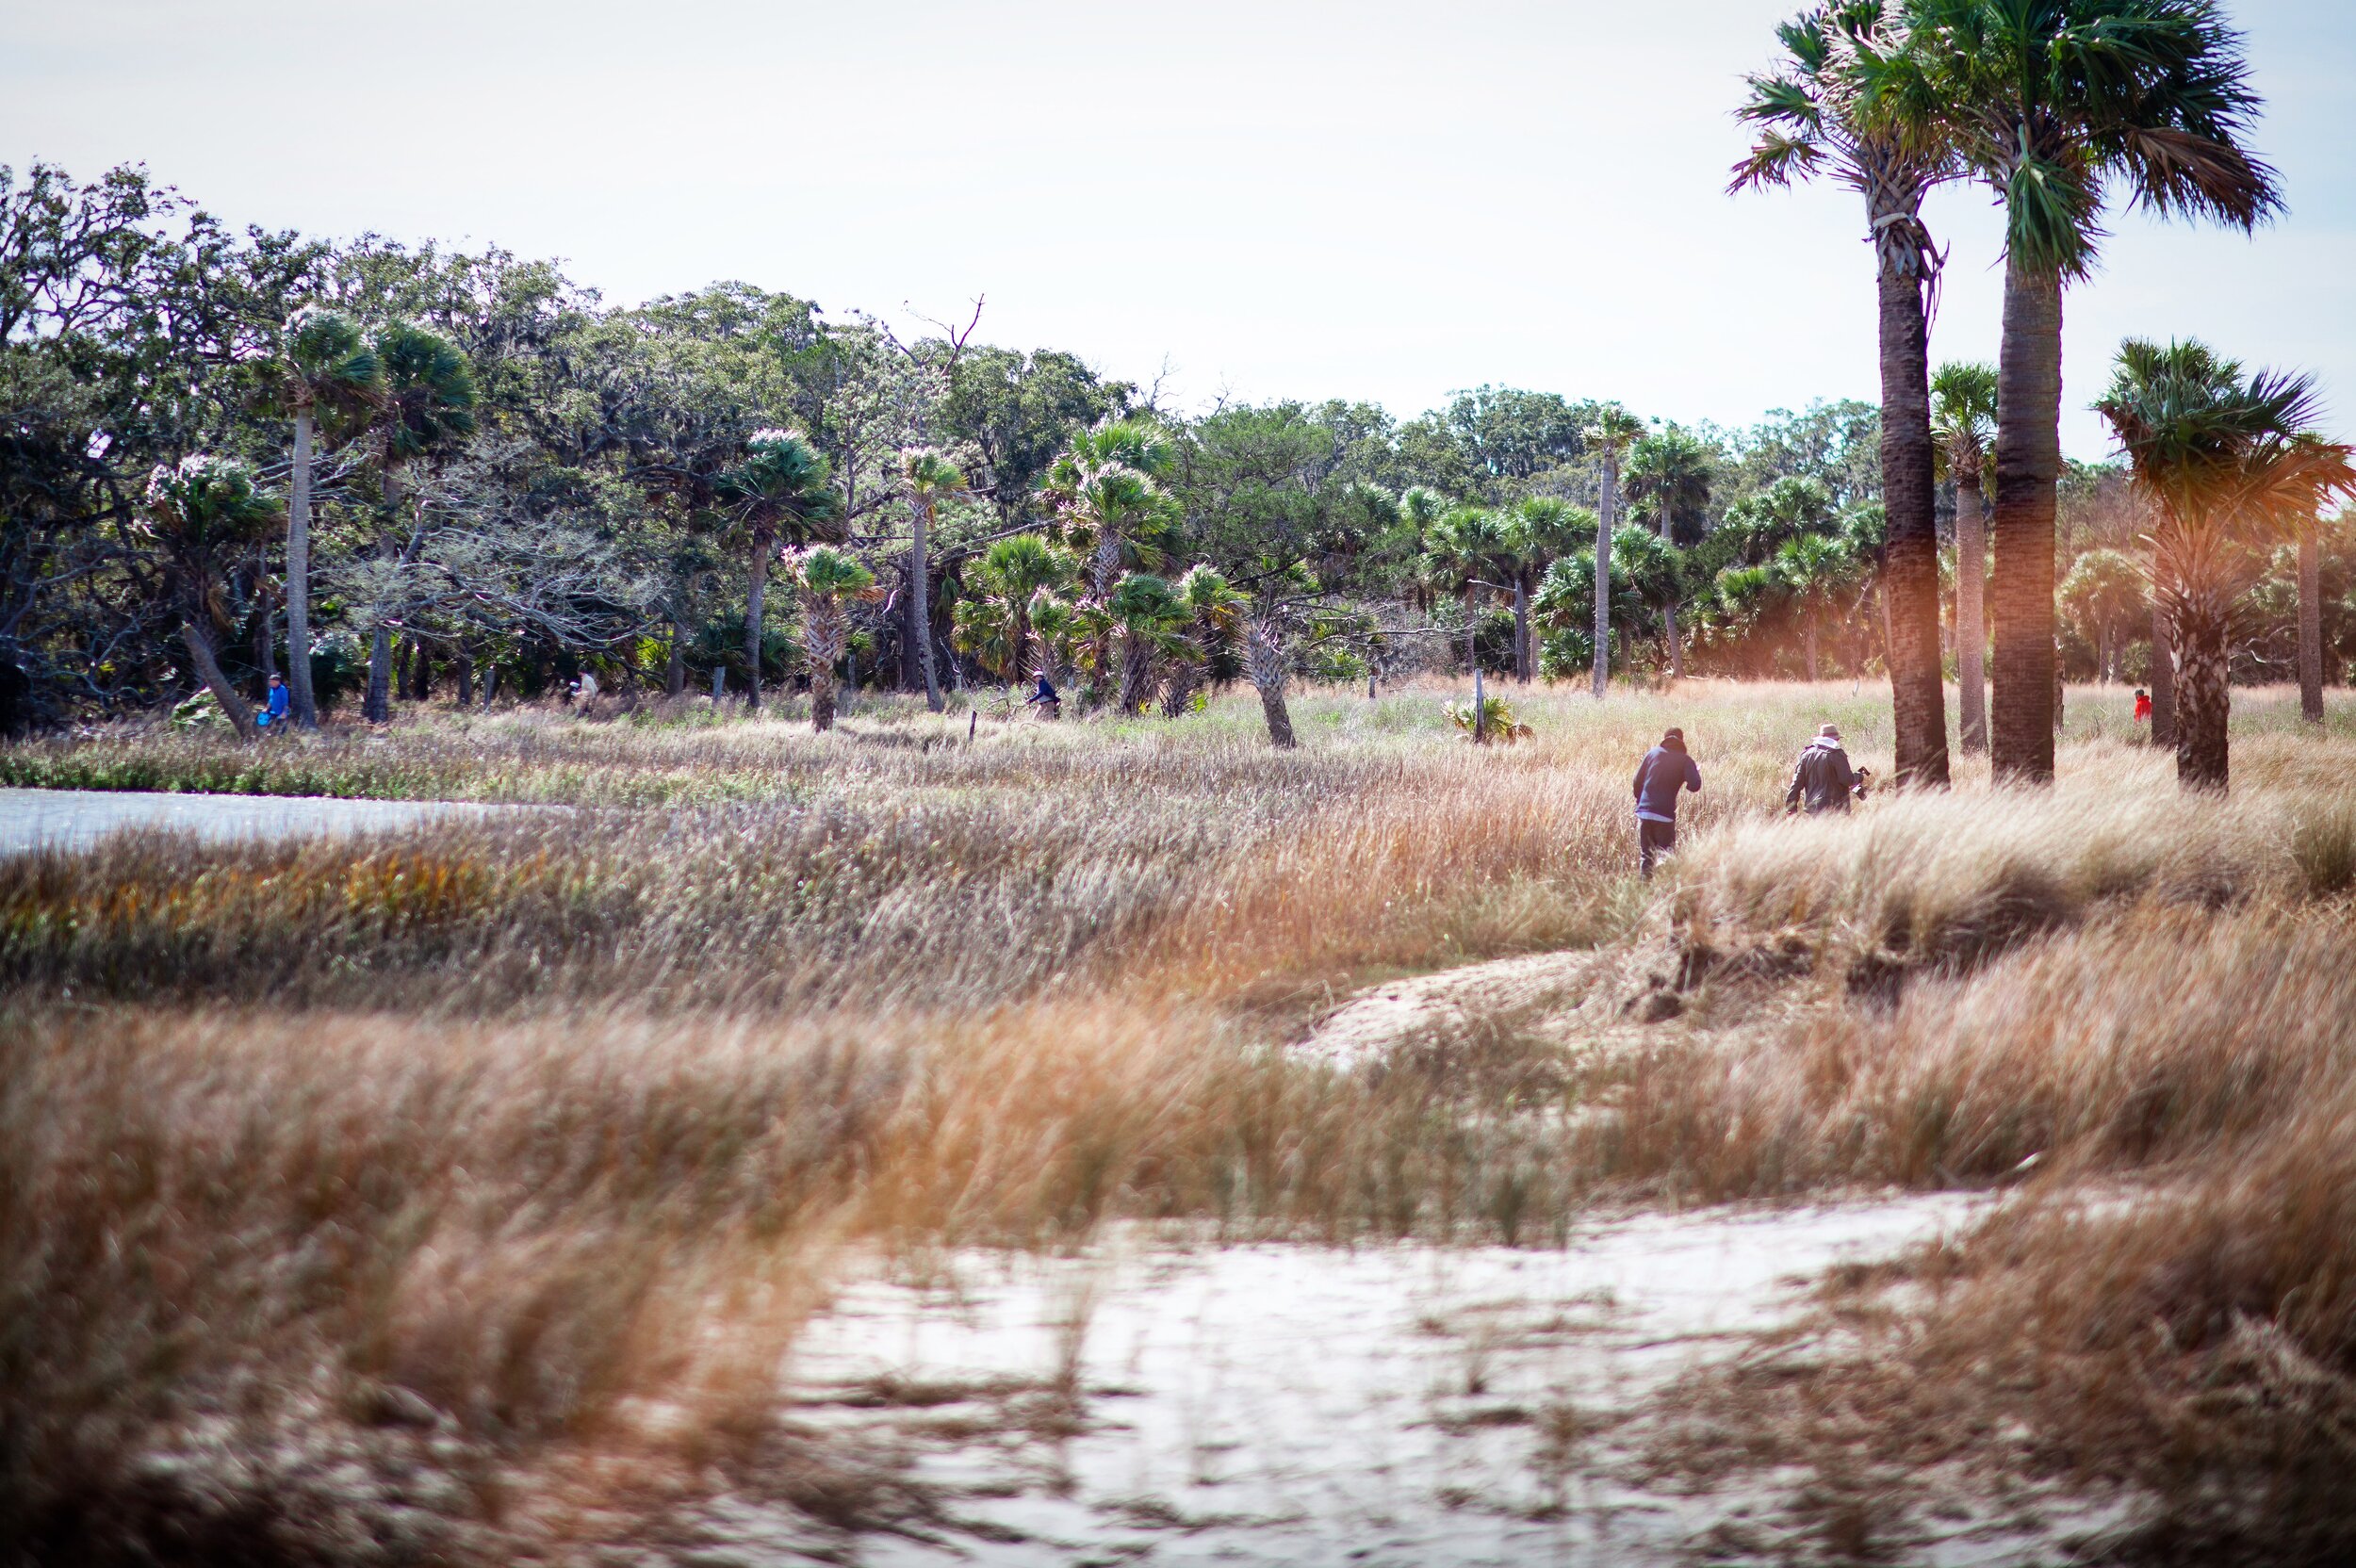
(463, 476)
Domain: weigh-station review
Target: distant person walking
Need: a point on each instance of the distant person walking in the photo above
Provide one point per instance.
(1044, 699)
(274, 712)
(1665, 772)
(2143, 706)
(1823, 780)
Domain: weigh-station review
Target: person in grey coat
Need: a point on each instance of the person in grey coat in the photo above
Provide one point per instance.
(1823, 780)
(1665, 772)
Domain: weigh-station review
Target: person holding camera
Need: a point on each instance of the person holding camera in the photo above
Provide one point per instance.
(1823, 780)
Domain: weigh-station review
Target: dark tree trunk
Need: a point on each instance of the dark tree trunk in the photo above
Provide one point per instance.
(301, 700)
(1972, 611)
(1918, 686)
(1607, 517)
(911, 636)
(1137, 673)
(2203, 698)
(1676, 645)
(265, 638)
(674, 669)
(2163, 678)
(1265, 657)
(1523, 664)
(821, 699)
(465, 675)
(2028, 465)
(2310, 627)
(764, 544)
(233, 706)
(379, 705)
(920, 572)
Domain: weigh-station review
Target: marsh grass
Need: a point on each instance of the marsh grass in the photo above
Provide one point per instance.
(455, 1196)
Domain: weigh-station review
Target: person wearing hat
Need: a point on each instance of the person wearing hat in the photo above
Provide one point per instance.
(1665, 772)
(1823, 780)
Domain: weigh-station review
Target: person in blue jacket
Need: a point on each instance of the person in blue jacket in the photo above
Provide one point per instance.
(274, 711)
(1666, 771)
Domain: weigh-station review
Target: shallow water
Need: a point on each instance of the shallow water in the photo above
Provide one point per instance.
(76, 819)
(1302, 1405)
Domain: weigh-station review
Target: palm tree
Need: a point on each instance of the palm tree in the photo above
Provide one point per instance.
(1613, 430)
(1815, 570)
(1653, 569)
(426, 410)
(2048, 101)
(205, 514)
(1015, 572)
(930, 479)
(1669, 478)
(2105, 593)
(1537, 531)
(1106, 487)
(781, 490)
(1215, 618)
(1149, 613)
(1821, 113)
(1963, 421)
(2229, 462)
(826, 581)
(1420, 509)
(1467, 544)
(325, 369)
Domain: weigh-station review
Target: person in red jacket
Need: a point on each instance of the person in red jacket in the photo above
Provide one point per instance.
(2143, 706)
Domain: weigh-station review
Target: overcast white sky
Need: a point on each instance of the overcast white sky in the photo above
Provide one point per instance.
(1279, 198)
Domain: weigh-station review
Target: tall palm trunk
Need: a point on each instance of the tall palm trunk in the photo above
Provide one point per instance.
(1136, 672)
(1265, 660)
(2163, 676)
(299, 699)
(1676, 643)
(1807, 646)
(2203, 698)
(1972, 610)
(200, 649)
(826, 633)
(1607, 517)
(2028, 466)
(764, 546)
(1104, 570)
(674, 669)
(2310, 627)
(924, 608)
(1918, 688)
(1521, 624)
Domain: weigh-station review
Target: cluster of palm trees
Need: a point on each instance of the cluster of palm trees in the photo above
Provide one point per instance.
(407, 396)
(1089, 593)
(2053, 104)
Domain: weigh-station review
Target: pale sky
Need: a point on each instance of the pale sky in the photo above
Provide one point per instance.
(1277, 198)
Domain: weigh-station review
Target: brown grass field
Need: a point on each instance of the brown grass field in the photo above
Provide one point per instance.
(452, 1197)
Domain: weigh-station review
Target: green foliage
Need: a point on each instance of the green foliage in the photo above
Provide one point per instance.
(1496, 721)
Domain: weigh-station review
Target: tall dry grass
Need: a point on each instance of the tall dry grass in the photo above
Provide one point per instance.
(452, 1197)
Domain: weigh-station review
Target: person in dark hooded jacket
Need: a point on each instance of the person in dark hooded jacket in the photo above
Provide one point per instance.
(1823, 780)
(1666, 771)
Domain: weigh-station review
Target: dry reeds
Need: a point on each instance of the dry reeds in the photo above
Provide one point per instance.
(452, 1196)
